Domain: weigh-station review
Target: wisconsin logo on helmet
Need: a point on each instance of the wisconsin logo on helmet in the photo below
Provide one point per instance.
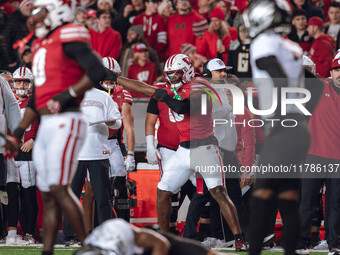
(178, 65)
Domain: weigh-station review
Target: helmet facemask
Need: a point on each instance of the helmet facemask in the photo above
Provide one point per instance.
(174, 79)
(26, 90)
(111, 64)
(108, 84)
(178, 70)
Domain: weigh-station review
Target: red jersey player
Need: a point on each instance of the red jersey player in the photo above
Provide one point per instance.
(24, 170)
(198, 146)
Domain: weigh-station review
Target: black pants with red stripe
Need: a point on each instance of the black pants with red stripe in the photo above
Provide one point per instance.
(100, 181)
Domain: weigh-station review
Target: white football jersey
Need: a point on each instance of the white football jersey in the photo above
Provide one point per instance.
(114, 235)
(97, 105)
(289, 55)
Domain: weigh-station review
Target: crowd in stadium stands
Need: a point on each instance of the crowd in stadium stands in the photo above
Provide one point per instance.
(141, 35)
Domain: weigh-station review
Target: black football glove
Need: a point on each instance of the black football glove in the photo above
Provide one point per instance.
(111, 76)
(57, 103)
(160, 94)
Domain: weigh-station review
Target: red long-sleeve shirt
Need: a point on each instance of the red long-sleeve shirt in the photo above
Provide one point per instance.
(184, 29)
(207, 45)
(146, 73)
(245, 147)
(107, 44)
(321, 52)
(154, 29)
(324, 124)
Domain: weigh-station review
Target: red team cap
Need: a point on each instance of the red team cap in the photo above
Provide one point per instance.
(315, 21)
(217, 13)
(90, 13)
(335, 63)
(140, 47)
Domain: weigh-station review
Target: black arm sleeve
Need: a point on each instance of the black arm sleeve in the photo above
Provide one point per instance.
(272, 66)
(177, 106)
(31, 101)
(87, 59)
(152, 107)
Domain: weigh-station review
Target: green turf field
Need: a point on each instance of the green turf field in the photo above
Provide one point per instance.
(5, 250)
(269, 253)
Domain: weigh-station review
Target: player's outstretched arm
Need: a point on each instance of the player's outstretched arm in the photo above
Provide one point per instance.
(136, 86)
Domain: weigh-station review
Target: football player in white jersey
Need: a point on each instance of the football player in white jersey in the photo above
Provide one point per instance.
(276, 63)
(120, 238)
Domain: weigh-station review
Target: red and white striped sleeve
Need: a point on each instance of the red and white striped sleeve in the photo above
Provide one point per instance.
(199, 27)
(127, 97)
(74, 33)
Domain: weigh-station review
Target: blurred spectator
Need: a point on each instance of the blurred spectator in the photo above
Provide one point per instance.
(215, 42)
(131, 8)
(90, 19)
(311, 11)
(334, 21)
(223, 6)
(15, 31)
(165, 9)
(142, 68)
(105, 40)
(135, 35)
(105, 4)
(197, 60)
(9, 78)
(238, 55)
(299, 32)
(154, 27)
(80, 16)
(7, 8)
(184, 27)
(118, 23)
(322, 49)
(205, 7)
(26, 57)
